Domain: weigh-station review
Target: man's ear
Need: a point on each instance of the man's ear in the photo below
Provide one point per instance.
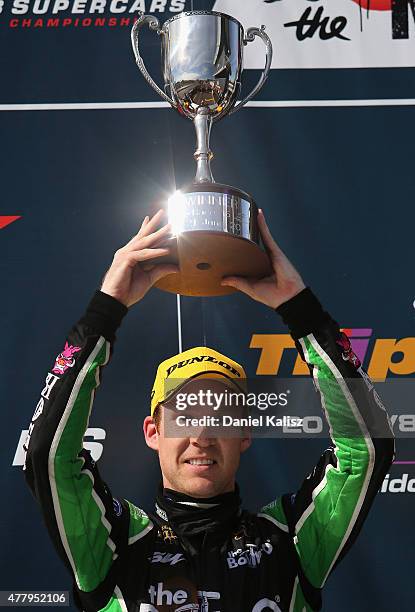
(246, 443)
(151, 434)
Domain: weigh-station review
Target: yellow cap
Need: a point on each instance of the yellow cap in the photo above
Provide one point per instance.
(196, 362)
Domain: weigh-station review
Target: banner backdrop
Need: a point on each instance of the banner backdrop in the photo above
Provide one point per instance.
(89, 150)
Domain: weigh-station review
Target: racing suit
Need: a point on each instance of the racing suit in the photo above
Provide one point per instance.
(124, 559)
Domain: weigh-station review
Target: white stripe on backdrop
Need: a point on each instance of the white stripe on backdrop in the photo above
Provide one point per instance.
(253, 104)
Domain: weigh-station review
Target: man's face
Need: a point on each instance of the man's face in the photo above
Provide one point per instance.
(196, 463)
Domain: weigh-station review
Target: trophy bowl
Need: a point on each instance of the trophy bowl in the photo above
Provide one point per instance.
(202, 62)
(215, 231)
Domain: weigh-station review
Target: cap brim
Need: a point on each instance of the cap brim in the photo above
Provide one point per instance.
(227, 380)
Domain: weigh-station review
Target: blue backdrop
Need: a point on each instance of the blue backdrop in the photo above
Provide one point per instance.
(336, 183)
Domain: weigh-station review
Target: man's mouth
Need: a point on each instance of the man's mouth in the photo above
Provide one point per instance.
(200, 461)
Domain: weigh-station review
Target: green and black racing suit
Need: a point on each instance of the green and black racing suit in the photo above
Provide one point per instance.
(124, 559)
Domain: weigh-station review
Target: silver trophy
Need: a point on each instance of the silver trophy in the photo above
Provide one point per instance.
(215, 225)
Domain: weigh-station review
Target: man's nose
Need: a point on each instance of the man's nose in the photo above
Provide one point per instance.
(201, 438)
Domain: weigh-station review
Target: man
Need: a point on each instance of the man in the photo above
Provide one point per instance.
(199, 550)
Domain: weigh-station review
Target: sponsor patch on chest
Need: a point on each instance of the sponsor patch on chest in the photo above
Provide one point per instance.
(166, 557)
(249, 556)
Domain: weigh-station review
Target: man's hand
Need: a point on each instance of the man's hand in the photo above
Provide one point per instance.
(272, 290)
(129, 277)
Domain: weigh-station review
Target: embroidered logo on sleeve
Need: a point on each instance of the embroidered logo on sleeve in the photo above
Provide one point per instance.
(348, 354)
(65, 359)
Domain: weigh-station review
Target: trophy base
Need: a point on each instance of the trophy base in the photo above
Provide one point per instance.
(205, 257)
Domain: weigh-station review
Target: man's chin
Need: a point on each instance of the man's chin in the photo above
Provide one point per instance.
(202, 487)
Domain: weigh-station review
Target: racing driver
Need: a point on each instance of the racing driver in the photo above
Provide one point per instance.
(198, 549)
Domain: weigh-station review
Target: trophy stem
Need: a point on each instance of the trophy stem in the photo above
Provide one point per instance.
(203, 154)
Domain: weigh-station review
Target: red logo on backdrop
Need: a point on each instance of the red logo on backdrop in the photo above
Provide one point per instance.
(375, 5)
(6, 220)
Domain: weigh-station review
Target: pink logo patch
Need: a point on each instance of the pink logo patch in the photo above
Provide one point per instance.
(65, 359)
(348, 354)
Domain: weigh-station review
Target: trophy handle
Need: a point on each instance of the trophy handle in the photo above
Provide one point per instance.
(250, 37)
(153, 24)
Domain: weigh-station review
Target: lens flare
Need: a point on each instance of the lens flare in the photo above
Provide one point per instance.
(176, 206)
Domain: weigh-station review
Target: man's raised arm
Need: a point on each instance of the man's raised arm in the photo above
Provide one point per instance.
(327, 512)
(76, 504)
